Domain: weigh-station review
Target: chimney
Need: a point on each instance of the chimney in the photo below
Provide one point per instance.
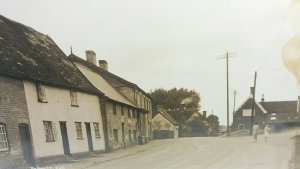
(103, 64)
(252, 91)
(262, 98)
(204, 114)
(90, 56)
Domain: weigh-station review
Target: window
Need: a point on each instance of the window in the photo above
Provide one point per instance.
(97, 131)
(116, 135)
(134, 114)
(114, 109)
(247, 112)
(50, 131)
(122, 110)
(41, 93)
(78, 130)
(3, 139)
(129, 112)
(73, 97)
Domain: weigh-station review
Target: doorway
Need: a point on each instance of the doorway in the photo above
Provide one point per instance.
(64, 136)
(89, 137)
(26, 144)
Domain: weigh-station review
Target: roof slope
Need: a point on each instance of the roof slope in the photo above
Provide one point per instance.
(28, 54)
(280, 106)
(167, 116)
(94, 75)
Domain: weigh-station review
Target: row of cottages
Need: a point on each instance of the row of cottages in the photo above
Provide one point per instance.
(164, 125)
(278, 114)
(126, 109)
(51, 109)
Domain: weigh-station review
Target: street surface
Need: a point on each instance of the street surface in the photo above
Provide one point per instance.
(200, 153)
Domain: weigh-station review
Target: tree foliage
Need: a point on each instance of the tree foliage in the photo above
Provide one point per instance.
(176, 99)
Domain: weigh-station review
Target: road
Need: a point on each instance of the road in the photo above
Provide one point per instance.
(198, 153)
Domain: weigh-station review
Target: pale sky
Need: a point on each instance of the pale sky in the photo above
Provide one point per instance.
(175, 43)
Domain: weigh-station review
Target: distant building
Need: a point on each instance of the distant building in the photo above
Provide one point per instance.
(276, 113)
(164, 125)
(48, 109)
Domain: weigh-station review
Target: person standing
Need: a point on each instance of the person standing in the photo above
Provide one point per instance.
(255, 130)
(266, 132)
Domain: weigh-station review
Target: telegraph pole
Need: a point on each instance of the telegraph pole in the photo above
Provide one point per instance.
(233, 112)
(226, 56)
(253, 104)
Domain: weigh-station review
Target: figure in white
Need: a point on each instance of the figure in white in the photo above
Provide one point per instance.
(266, 132)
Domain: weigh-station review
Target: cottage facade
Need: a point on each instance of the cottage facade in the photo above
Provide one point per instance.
(164, 126)
(121, 119)
(48, 108)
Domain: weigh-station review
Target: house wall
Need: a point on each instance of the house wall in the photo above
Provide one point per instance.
(239, 119)
(159, 122)
(59, 109)
(13, 111)
(115, 122)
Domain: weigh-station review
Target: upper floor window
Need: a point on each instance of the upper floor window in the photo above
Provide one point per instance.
(3, 139)
(50, 133)
(122, 110)
(41, 93)
(78, 130)
(129, 112)
(73, 97)
(97, 131)
(114, 108)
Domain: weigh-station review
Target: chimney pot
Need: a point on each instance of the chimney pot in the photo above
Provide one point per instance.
(91, 56)
(103, 64)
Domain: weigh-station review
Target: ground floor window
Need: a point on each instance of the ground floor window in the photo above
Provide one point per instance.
(49, 131)
(3, 138)
(78, 130)
(97, 131)
(116, 135)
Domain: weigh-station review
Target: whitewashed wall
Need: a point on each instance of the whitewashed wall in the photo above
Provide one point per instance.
(59, 109)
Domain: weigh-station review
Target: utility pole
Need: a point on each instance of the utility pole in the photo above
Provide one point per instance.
(226, 56)
(253, 104)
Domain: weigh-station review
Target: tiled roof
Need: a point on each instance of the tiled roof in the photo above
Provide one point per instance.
(94, 75)
(167, 116)
(280, 106)
(31, 55)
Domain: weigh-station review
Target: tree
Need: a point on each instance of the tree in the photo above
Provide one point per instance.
(214, 123)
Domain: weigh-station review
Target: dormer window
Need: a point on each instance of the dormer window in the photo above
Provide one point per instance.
(73, 97)
(41, 93)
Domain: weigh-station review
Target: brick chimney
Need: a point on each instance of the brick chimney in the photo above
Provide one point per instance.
(90, 56)
(103, 64)
(204, 114)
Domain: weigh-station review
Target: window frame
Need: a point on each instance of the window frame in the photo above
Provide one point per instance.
(6, 141)
(74, 98)
(97, 130)
(49, 130)
(79, 131)
(114, 109)
(41, 93)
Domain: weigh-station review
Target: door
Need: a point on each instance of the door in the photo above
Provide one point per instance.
(89, 136)
(64, 136)
(26, 144)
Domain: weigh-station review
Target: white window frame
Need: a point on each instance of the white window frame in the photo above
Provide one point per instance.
(3, 138)
(73, 98)
(78, 128)
(50, 132)
(97, 130)
(41, 93)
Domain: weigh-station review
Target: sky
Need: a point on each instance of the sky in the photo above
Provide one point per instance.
(175, 43)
